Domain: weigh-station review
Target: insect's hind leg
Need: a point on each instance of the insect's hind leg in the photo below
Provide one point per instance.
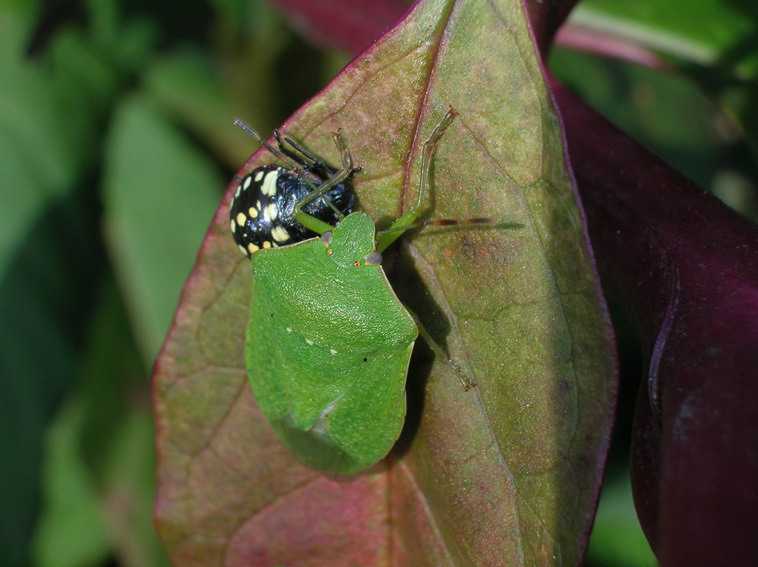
(440, 353)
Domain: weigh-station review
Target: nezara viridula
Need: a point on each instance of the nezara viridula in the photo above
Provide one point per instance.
(328, 342)
(263, 210)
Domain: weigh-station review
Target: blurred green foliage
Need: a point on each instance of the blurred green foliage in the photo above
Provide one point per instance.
(116, 144)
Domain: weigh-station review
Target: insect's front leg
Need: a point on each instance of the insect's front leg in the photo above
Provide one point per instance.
(408, 219)
(340, 176)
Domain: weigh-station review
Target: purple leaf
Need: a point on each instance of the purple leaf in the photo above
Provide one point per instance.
(685, 269)
(350, 25)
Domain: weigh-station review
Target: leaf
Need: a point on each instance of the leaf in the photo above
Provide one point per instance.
(688, 280)
(99, 462)
(505, 474)
(709, 41)
(50, 258)
(69, 532)
(345, 24)
(675, 27)
(617, 538)
(157, 192)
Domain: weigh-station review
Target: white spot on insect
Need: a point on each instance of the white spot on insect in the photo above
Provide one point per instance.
(289, 330)
(280, 234)
(267, 244)
(246, 183)
(237, 192)
(332, 351)
(310, 342)
(241, 219)
(252, 247)
(271, 212)
(269, 183)
(233, 225)
(253, 212)
(258, 176)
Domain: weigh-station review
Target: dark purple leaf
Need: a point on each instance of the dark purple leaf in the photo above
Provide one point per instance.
(350, 25)
(685, 268)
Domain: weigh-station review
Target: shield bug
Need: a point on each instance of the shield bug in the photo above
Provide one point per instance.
(328, 342)
(263, 210)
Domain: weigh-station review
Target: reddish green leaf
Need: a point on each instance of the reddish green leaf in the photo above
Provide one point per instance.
(504, 474)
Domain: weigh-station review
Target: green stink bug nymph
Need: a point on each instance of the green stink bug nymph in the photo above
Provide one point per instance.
(328, 342)
(327, 351)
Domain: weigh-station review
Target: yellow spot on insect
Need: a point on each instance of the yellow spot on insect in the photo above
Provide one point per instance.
(241, 219)
(258, 176)
(246, 183)
(271, 212)
(252, 247)
(280, 234)
(267, 244)
(332, 351)
(253, 212)
(269, 183)
(310, 342)
(242, 249)
(237, 192)
(233, 225)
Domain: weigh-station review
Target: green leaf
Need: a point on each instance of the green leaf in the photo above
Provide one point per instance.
(191, 93)
(710, 41)
(505, 474)
(617, 538)
(70, 532)
(701, 31)
(100, 461)
(36, 157)
(50, 255)
(129, 491)
(159, 193)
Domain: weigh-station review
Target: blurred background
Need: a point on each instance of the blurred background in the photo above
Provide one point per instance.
(116, 145)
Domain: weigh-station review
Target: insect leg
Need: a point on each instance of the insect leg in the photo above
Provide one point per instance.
(307, 160)
(408, 219)
(337, 177)
(286, 157)
(426, 159)
(440, 353)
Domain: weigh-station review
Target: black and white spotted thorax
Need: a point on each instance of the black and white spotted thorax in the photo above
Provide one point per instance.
(262, 210)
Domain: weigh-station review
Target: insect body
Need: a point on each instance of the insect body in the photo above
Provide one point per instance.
(328, 347)
(267, 200)
(328, 343)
